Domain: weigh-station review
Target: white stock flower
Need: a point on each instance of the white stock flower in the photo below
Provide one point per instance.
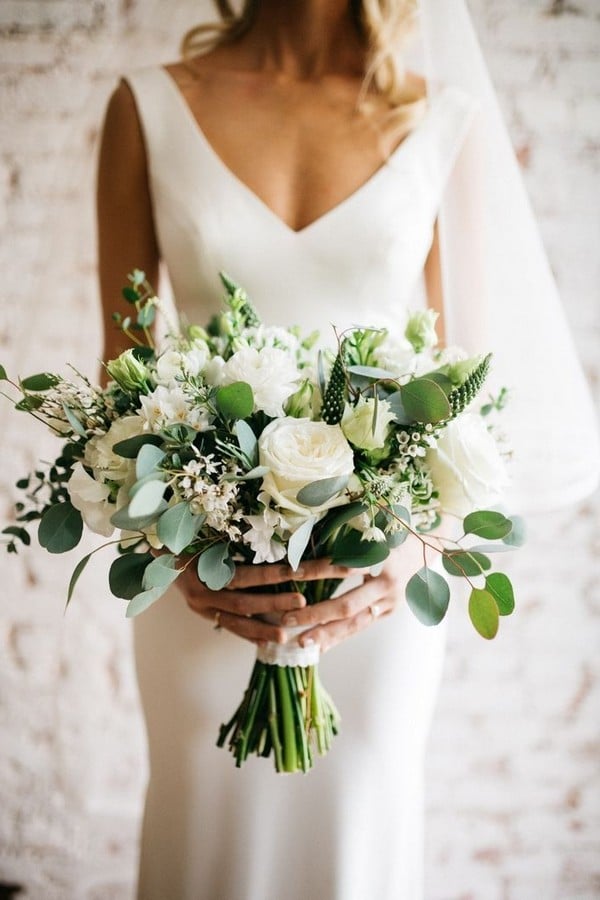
(467, 467)
(171, 406)
(298, 452)
(271, 373)
(357, 423)
(90, 497)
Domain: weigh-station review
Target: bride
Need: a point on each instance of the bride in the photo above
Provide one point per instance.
(290, 148)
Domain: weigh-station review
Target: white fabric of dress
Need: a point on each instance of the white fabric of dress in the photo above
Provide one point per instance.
(352, 828)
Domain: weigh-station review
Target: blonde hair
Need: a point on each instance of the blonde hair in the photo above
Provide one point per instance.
(384, 25)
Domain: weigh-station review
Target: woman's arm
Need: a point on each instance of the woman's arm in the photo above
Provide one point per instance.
(126, 235)
(433, 283)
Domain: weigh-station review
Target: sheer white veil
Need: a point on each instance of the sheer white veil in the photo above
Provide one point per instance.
(499, 292)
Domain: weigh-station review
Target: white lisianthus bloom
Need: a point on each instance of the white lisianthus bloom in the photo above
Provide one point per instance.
(271, 373)
(420, 329)
(298, 452)
(357, 423)
(396, 355)
(261, 536)
(90, 497)
(171, 406)
(99, 454)
(171, 364)
(467, 467)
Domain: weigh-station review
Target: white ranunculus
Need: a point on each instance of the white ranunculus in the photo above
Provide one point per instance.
(90, 497)
(298, 452)
(357, 423)
(99, 454)
(466, 466)
(271, 373)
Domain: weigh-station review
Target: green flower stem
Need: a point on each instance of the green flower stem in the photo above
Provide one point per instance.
(253, 707)
(290, 757)
(302, 748)
(274, 726)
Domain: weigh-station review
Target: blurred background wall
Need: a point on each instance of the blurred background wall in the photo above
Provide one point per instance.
(513, 797)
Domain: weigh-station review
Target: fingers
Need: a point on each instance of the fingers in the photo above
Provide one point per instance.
(327, 636)
(250, 629)
(275, 573)
(343, 607)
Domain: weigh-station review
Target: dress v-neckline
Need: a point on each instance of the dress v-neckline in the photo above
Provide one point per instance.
(334, 210)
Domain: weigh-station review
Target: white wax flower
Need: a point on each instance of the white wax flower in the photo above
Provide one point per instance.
(271, 373)
(298, 452)
(467, 467)
(357, 423)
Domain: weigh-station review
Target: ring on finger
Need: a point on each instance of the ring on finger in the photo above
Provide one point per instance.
(375, 610)
(217, 626)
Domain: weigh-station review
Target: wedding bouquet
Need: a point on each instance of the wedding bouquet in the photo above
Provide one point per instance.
(241, 443)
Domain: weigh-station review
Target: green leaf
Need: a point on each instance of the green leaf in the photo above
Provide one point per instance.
(60, 528)
(465, 562)
(147, 500)
(372, 372)
(143, 353)
(74, 421)
(298, 542)
(487, 524)
(350, 550)
(148, 460)
(444, 382)
(425, 401)
(490, 548)
(397, 407)
(146, 315)
(236, 400)
(161, 572)
(130, 294)
(483, 612)
(126, 574)
(17, 532)
(3, 375)
(122, 519)
(177, 527)
(215, 568)
(29, 403)
(42, 382)
(516, 536)
(75, 576)
(247, 441)
(499, 586)
(385, 516)
(179, 433)
(339, 517)
(319, 492)
(130, 447)
(428, 596)
(142, 601)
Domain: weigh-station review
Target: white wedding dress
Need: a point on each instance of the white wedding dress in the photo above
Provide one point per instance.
(351, 829)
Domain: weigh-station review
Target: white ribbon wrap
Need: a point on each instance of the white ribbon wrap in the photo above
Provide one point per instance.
(290, 653)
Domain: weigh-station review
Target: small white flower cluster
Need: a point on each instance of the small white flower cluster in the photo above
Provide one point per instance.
(209, 494)
(173, 405)
(85, 403)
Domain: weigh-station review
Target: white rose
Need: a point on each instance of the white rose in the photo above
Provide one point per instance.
(99, 454)
(298, 452)
(271, 373)
(90, 497)
(466, 466)
(357, 423)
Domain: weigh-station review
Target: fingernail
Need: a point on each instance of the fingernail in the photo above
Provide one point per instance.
(289, 620)
(299, 572)
(307, 642)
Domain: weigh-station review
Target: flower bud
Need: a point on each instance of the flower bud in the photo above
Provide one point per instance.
(420, 329)
(129, 372)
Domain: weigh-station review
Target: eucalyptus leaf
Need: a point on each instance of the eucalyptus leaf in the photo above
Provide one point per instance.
(3, 375)
(74, 421)
(425, 401)
(373, 373)
(236, 400)
(147, 500)
(247, 441)
(319, 492)
(126, 574)
(61, 527)
(130, 447)
(29, 403)
(142, 601)
(298, 542)
(350, 550)
(490, 548)
(487, 524)
(42, 382)
(338, 517)
(465, 562)
(18, 532)
(161, 572)
(215, 568)
(483, 613)
(516, 536)
(122, 519)
(75, 576)
(177, 527)
(397, 407)
(148, 460)
(146, 315)
(428, 596)
(499, 586)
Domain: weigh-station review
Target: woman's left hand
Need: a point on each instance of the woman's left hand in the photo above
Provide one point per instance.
(332, 621)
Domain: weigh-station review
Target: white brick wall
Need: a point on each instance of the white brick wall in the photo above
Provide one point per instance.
(513, 789)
